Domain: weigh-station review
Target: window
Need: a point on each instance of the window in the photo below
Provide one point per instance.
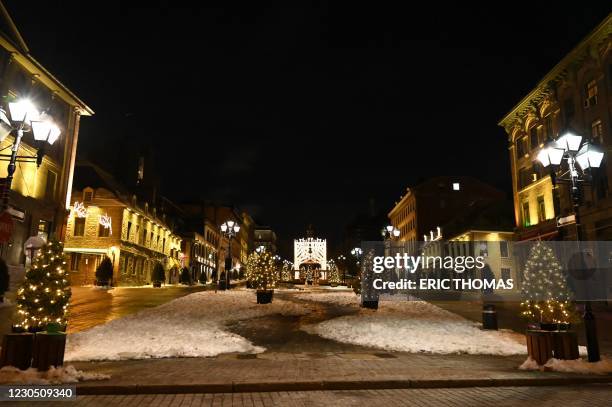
(456, 186)
(503, 248)
(533, 138)
(597, 131)
(87, 196)
(591, 92)
(484, 249)
(102, 231)
(541, 209)
(526, 217)
(129, 230)
(505, 273)
(43, 228)
(568, 110)
(521, 147)
(50, 185)
(525, 177)
(79, 226)
(75, 260)
(548, 126)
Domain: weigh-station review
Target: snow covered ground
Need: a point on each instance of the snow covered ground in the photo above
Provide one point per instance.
(66, 374)
(413, 326)
(346, 298)
(190, 326)
(582, 366)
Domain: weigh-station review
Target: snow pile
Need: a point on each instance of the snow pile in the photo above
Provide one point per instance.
(582, 366)
(335, 298)
(66, 374)
(418, 326)
(190, 326)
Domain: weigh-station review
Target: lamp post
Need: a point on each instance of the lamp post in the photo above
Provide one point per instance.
(581, 156)
(24, 118)
(390, 232)
(342, 260)
(230, 229)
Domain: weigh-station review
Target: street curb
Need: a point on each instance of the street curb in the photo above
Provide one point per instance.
(242, 387)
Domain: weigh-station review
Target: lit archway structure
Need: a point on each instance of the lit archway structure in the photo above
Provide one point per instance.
(309, 251)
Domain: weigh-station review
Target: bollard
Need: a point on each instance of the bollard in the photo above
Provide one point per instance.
(489, 317)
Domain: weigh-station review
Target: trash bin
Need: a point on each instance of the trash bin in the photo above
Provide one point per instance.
(489, 317)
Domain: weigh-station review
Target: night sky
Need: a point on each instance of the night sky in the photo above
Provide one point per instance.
(302, 115)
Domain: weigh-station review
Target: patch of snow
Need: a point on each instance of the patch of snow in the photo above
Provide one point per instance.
(190, 326)
(581, 366)
(418, 326)
(65, 374)
(347, 298)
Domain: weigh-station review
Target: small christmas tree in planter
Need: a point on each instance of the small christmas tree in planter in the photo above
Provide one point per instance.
(369, 296)
(547, 303)
(185, 277)
(104, 272)
(44, 295)
(333, 275)
(158, 275)
(262, 276)
(4, 279)
(286, 272)
(546, 297)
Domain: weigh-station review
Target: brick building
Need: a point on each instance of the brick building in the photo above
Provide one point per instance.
(105, 220)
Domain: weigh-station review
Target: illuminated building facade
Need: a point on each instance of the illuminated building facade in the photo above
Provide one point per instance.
(576, 95)
(39, 196)
(106, 221)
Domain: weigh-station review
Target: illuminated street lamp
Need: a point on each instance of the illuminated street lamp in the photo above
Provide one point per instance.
(230, 229)
(25, 118)
(390, 232)
(581, 156)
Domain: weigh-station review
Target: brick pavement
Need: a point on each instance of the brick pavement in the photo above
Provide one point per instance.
(591, 396)
(284, 371)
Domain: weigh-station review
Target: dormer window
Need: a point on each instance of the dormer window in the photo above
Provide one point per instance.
(87, 195)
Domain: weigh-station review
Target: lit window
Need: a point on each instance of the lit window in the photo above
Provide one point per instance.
(456, 186)
(597, 130)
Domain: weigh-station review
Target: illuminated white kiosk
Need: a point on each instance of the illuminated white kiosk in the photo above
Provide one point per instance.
(310, 257)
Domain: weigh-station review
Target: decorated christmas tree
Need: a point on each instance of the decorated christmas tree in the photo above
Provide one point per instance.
(286, 272)
(261, 271)
(333, 274)
(546, 297)
(44, 295)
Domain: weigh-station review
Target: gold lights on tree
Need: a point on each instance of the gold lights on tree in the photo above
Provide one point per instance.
(261, 271)
(546, 298)
(44, 295)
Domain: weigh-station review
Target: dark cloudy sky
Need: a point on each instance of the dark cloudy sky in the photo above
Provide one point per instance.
(303, 113)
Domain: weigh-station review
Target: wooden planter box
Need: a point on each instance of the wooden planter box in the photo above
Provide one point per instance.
(48, 350)
(539, 345)
(565, 345)
(544, 345)
(17, 350)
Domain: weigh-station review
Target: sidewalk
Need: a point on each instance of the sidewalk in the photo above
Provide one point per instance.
(272, 371)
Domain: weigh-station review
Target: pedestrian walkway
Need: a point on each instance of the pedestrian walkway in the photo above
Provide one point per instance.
(587, 396)
(272, 371)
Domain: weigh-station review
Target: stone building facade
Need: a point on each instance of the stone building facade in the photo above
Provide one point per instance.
(103, 222)
(576, 95)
